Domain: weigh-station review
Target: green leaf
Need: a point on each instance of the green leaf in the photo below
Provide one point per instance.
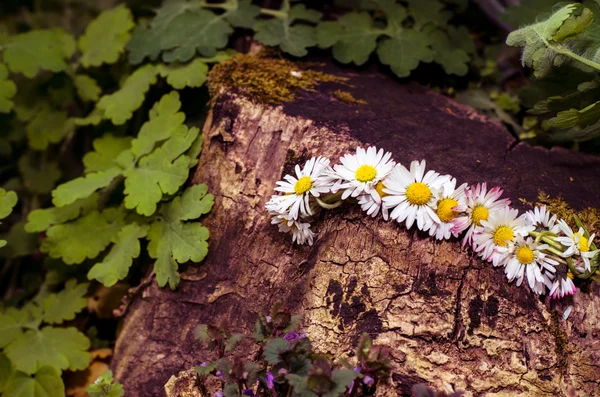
(179, 30)
(300, 385)
(20, 243)
(273, 348)
(172, 241)
(231, 390)
(106, 36)
(244, 15)
(161, 172)
(87, 88)
(343, 379)
(47, 126)
(8, 89)
(574, 26)
(46, 382)
(59, 348)
(164, 119)
(29, 52)
(538, 50)
(7, 201)
(428, 12)
(352, 36)
(106, 149)
(233, 341)
(405, 50)
(66, 304)
(180, 76)
(105, 386)
(41, 219)
(5, 371)
(120, 105)
(454, 60)
(207, 369)
(39, 175)
(575, 117)
(116, 264)
(291, 39)
(193, 203)
(11, 325)
(84, 238)
(83, 186)
(299, 12)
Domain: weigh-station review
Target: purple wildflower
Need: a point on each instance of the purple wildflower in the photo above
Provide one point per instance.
(248, 392)
(367, 380)
(219, 394)
(290, 336)
(219, 374)
(270, 380)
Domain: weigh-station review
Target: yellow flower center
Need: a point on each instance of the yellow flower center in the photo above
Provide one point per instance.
(525, 255)
(303, 185)
(379, 188)
(418, 193)
(570, 275)
(366, 173)
(444, 209)
(584, 245)
(503, 235)
(480, 213)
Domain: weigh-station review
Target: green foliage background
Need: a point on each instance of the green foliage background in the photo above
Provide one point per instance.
(95, 153)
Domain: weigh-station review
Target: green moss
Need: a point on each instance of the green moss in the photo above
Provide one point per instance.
(346, 97)
(266, 79)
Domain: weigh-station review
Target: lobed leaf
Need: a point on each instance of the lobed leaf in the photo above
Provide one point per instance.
(8, 89)
(180, 76)
(106, 36)
(87, 88)
(291, 39)
(45, 382)
(39, 175)
(120, 105)
(47, 126)
(105, 386)
(58, 348)
(106, 149)
(7, 201)
(66, 304)
(116, 264)
(243, 15)
(82, 187)
(171, 241)
(30, 52)
(84, 238)
(41, 219)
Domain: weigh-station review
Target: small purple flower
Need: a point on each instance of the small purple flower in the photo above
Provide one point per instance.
(270, 379)
(269, 319)
(219, 394)
(290, 336)
(367, 380)
(248, 392)
(219, 374)
(203, 364)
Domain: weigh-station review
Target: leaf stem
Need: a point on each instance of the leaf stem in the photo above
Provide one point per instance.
(565, 51)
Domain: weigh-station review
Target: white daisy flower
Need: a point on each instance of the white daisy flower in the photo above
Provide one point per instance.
(413, 195)
(311, 180)
(563, 283)
(300, 231)
(362, 171)
(540, 218)
(527, 259)
(374, 206)
(577, 244)
(479, 204)
(493, 241)
(450, 198)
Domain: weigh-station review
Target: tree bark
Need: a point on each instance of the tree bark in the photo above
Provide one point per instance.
(452, 320)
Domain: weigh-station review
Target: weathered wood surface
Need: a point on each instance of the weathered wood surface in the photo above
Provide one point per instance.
(451, 319)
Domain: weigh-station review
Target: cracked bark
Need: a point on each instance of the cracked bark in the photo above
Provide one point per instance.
(451, 320)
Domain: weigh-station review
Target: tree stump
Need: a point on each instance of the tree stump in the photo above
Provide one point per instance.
(452, 320)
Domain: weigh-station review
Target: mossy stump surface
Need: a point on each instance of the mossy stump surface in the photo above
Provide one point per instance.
(452, 320)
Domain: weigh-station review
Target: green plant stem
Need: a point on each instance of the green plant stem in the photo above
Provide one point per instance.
(566, 52)
(547, 240)
(328, 206)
